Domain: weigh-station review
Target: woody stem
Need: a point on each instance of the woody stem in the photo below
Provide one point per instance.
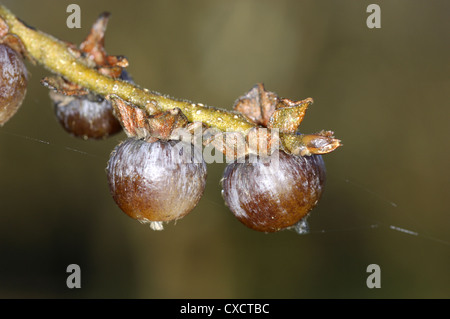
(57, 57)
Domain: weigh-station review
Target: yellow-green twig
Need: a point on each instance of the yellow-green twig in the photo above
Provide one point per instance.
(58, 58)
(55, 56)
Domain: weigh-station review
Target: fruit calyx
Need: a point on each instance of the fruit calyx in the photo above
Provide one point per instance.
(91, 53)
(161, 125)
(276, 119)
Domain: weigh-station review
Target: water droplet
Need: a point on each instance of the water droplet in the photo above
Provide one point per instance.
(236, 116)
(219, 119)
(156, 225)
(115, 87)
(302, 227)
(198, 112)
(200, 104)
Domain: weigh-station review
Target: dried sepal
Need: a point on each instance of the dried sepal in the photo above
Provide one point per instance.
(310, 144)
(320, 143)
(62, 86)
(117, 60)
(288, 115)
(265, 108)
(131, 117)
(93, 48)
(257, 105)
(163, 125)
(94, 44)
(160, 125)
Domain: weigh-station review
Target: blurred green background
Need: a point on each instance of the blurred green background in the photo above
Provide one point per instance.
(385, 92)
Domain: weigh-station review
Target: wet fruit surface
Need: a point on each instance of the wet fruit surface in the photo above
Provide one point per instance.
(13, 82)
(155, 182)
(85, 117)
(271, 196)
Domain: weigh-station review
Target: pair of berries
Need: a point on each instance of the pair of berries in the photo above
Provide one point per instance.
(152, 181)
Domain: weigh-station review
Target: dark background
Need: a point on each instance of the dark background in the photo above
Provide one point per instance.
(385, 93)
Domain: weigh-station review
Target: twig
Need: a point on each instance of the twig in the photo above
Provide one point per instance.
(57, 57)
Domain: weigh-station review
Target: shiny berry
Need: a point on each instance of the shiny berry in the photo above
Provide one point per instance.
(13, 82)
(156, 182)
(271, 196)
(88, 117)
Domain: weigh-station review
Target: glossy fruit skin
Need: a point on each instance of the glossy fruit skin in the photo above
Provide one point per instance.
(268, 197)
(13, 82)
(152, 182)
(89, 117)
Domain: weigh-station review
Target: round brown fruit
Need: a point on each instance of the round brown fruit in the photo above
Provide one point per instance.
(88, 117)
(13, 82)
(156, 182)
(271, 196)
